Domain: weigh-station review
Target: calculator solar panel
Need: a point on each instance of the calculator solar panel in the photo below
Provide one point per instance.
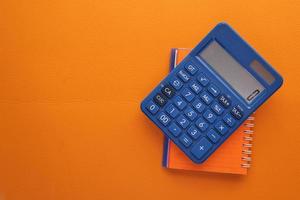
(210, 93)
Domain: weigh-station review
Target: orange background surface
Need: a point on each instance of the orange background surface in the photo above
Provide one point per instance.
(73, 74)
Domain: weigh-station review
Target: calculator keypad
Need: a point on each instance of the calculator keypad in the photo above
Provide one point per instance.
(194, 110)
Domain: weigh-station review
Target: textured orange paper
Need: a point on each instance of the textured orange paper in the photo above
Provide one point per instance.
(73, 74)
(226, 159)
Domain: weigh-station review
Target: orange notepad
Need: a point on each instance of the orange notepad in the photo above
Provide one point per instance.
(233, 156)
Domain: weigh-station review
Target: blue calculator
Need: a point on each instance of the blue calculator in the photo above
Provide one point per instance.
(211, 92)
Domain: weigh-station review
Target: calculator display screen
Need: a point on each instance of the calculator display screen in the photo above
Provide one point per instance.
(231, 71)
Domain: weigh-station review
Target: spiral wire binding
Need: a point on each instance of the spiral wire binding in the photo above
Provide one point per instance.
(247, 145)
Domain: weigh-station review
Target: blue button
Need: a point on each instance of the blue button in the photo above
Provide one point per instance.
(206, 97)
(163, 118)
(174, 129)
(191, 68)
(198, 105)
(190, 113)
(179, 102)
(195, 87)
(185, 140)
(203, 80)
(213, 136)
(188, 94)
(228, 119)
(182, 121)
(214, 90)
(152, 107)
(194, 132)
(217, 108)
(201, 124)
(221, 127)
(172, 110)
(201, 148)
(176, 83)
(209, 116)
(184, 76)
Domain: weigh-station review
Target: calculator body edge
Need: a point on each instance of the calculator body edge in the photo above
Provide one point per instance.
(225, 36)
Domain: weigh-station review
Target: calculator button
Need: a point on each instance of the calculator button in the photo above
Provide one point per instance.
(182, 121)
(194, 132)
(200, 149)
(152, 107)
(201, 124)
(184, 76)
(168, 91)
(179, 102)
(188, 94)
(221, 127)
(206, 97)
(174, 129)
(225, 102)
(160, 99)
(164, 119)
(172, 110)
(198, 105)
(176, 83)
(217, 108)
(185, 140)
(203, 80)
(190, 113)
(192, 69)
(236, 112)
(213, 90)
(195, 87)
(213, 136)
(209, 116)
(228, 119)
